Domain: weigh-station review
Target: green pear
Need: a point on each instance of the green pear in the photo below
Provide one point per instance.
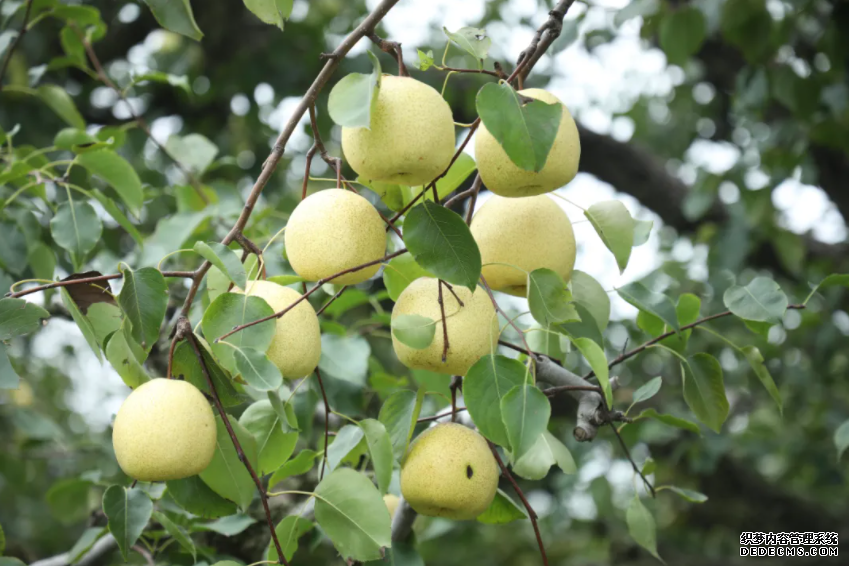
(528, 233)
(334, 230)
(472, 328)
(165, 430)
(296, 346)
(410, 140)
(449, 472)
(503, 177)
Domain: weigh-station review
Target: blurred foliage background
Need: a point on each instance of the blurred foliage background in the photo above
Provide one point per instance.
(726, 121)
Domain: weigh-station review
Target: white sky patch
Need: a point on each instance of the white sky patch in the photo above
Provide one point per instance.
(805, 207)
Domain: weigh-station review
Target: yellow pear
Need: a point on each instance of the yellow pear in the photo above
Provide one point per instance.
(449, 472)
(22, 396)
(527, 232)
(472, 328)
(164, 430)
(334, 230)
(411, 137)
(503, 177)
(391, 501)
(296, 346)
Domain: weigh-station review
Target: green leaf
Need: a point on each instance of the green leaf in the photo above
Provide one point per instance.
(641, 526)
(687, 311)
(472, 40)
(58, 100)
(501, 511)
(274, 12)
(128, 511)
(8, 36)
(485, 385)
(704, 390)
(229, 526)
(396, 414)
(118, 216)
(642, 231)
(68, 500)
(682, 32)
(615, 227)
(414, 330)
(42, 260)
(688, 494)
(352, 513)
(525, 411)
(548, 298)
(76, 228)
(400, 272)
(195, 497)
(345, 357)
(647, 390)
(226, 475)
(459, 171)
(761, 300)
(841, 439)
(669, 420)
(90, 536)
(747, 25)
(347, 438)
(178, 81)
(380, 448)
(653, 303)
(584, 328)
(258, 370)
(352, 99)
(82, 322)
(194, 151)
(186, 366)
(274, 444)
(19, 317)
(424, 63)
(176, 16)
(547, 451)
(177, 533)
(144, 297)
(289, 530)
(649, 466)
(9, 378)
(832, 280)
(233, 309)
(441, 243)
(756, 360)
(594, 354)
(13, 252)
(525, 131)
(300, 464)
(286, 279)
(589, 294)
(118, 173)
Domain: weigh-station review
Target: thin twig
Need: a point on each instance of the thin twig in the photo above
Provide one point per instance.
(15, 43)
(451, 289)
(474, 71)
(330, 302)
(445, 345)
(31, 290)
(510, 321)
(244, 459)
(393, 48)
(326, 422)
(639, 472)
(456, 383)
(531, 513)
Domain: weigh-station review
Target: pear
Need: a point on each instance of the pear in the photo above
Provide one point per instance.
(296, 346)
(472, 328)
(410, 140)
(449, 472)
(164, 430)
(503, 177)
(528, 233)
(392, 502)
(334, 230)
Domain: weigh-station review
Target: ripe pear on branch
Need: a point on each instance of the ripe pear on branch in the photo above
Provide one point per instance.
(472, 327)
(528, 233)
(296, 346)
(334, 230)
(164, 430)
(449, 472)
(503, 177)
(410, 140)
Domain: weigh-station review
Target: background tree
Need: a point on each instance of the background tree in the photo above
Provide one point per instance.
(726, 121)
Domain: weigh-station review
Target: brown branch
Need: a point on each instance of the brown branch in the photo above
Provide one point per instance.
(262, 494)
(18, 38)
(326, 422)
(330, 302)
(393, 48)
(312, 290)
(31, 290)
(531, 513)
(437, 417)
(523, 351)
(542, 40)
(510, 321)
(456, 383)
(445, 345)
(639, 472)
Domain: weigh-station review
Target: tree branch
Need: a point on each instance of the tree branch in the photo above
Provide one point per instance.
(11, 50)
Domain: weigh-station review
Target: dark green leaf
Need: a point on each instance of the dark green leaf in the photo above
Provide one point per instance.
(58, 100)
(195, 497)
(396, 414)
(704, 390)
(229, 526)
(594, 355)
(682, 32)
(9, 378)
(186, 366)
(380, 448)
(123, 359)
(82, 322)
(128, 511)
(226, 475)
(501, 511)
(13, 252)
(525, 411)
(68, 500)
(77, 228)
(615, 227)
(144, 298)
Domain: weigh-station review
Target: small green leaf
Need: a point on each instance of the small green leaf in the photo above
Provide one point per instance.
(704, 390)
(441, 243)
(233, 309)
(274, 12)
(19, 317)
(226, 475)
(761, 300)
(649, 467)
(128, 511)
(647, 390)
(484, 386)
(274, 444)
(178, 81)
(459, 171)
(588, 293)
(90, 536)
(594, 354)
(380, 448)
(118, 216)
(832, 280)
(193, 151)
(9, 378)
(176, 16)
(300, 464)
(177, 533)
(525, 411)
(425, 61)
(83, 323)
(144, 297)
(841, 439)
(400, 272)
(642, 231)
(547, 451)
(548, 298)
(669, 420)
(347, 438)
(641, 526)
(472, 40)
(653, 303)
(195, 497)
(289, 530)
(501, 511)
(688, 494)
(76, 228)
(756, 360)
(396, 414)
(352, 99)
(258, 370)
(229, 526)
(525, 131)
(58, 100)
(615, 227)
(118, 173)
(682, 32)
(414, 330)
